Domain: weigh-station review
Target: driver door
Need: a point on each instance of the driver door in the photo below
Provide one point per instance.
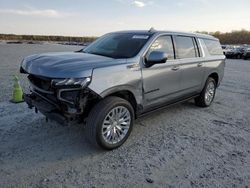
(161, 82)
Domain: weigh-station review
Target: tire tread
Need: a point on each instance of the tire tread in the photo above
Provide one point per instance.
(200, 100)
(95, 116)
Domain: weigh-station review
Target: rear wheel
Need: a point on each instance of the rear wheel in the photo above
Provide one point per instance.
(110, 123)
(207, 95)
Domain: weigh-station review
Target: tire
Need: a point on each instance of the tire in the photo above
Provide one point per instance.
(101, 119)
(202, 100)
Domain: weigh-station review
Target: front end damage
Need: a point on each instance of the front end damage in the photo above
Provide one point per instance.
(62, 100)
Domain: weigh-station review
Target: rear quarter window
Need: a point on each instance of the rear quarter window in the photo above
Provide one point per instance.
(213, 47)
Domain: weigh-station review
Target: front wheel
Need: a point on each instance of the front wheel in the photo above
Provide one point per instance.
(110, 122)
(207, 95)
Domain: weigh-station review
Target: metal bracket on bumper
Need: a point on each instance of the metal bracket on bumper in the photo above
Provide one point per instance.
(28, 99)
(45, 107)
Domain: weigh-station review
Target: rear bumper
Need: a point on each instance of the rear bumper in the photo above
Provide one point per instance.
(46, 107)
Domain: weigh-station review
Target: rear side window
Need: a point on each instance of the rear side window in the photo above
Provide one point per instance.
(213, 47)
(163, 44)
(185, 47)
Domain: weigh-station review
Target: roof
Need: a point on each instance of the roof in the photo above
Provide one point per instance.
(151, 31)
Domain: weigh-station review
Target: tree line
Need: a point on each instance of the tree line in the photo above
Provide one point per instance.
(45, 38)
(234, 37)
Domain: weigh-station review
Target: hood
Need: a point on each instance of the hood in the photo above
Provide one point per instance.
(66, 65)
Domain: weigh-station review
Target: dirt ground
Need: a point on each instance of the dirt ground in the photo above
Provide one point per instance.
(181, 146)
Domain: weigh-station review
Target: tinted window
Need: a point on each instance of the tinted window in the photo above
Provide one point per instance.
(213, 47)
(118, 45)
(185, 47)
(163, 44)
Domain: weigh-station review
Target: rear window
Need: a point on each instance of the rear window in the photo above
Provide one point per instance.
(213, 47)
(185, 47)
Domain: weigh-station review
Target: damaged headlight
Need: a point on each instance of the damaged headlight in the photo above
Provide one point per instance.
(72, 82)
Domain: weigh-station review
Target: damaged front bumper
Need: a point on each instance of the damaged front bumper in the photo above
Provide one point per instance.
(46, 107)
(63, 105)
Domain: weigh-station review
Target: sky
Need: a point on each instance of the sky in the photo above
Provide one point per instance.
(97, 17)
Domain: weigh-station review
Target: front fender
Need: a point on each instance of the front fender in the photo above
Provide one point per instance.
(108, 80)
(137, 93)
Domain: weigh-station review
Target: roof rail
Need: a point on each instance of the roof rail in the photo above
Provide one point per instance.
(151, 30)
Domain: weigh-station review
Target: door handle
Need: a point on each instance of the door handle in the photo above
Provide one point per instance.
(176, 68)
(199, 64)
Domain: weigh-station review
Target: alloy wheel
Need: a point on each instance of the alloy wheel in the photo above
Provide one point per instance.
(116, 124)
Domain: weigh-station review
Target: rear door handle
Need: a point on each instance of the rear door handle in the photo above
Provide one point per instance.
(199, 64)
(176, 68)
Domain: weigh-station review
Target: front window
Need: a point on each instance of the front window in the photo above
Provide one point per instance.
(163, 44)
(118, 45)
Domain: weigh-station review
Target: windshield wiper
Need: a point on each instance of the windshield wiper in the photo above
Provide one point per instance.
(95, 53)
(81, 50)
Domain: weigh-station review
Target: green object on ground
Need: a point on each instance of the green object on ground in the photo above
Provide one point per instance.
(17, 96)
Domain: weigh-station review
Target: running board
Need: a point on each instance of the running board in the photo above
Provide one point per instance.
(162, 107)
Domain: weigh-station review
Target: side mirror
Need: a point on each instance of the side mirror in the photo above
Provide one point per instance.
(156, 57)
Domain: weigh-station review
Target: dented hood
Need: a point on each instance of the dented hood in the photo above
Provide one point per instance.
(66, 65)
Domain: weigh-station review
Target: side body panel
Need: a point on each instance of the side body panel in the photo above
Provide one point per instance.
(124, 77)
(160, 83)
(192, 70)
(192, 75)
(212, 63)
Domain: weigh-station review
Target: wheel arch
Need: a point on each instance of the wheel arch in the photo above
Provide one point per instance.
(124, 93)
(215, 76)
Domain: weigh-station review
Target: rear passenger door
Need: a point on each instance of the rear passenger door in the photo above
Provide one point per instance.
(191, 64)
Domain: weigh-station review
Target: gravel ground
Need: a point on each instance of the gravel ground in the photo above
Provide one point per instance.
(182, 146)
(11, 56)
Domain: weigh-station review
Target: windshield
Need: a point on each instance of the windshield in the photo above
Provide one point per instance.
(118, 45)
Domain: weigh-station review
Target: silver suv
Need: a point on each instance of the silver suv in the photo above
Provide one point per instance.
(122, 76)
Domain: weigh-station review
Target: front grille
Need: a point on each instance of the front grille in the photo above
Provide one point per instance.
(41, 84)
(43, 87)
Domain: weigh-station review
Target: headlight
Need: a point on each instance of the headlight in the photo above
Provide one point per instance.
(72, 82)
